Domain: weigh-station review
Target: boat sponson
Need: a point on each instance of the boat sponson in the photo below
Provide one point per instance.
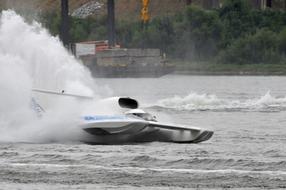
(204, 136)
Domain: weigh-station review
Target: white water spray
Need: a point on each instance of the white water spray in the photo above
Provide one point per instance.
(31, 58)
(194, 102)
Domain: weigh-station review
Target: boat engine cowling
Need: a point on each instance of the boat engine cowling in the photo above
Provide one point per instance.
(128, 103)
(111, 106)
(119, 103)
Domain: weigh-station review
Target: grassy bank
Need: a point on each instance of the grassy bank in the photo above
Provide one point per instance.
(204, 68)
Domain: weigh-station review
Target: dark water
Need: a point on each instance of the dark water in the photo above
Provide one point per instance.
(248, 115)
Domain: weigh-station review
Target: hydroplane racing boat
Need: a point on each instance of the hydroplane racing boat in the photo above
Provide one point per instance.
(129, 124)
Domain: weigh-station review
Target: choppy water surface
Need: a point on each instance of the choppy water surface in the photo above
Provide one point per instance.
(248, 115)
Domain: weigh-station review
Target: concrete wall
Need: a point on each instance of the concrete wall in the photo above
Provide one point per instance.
(128, 57)
(129, 52)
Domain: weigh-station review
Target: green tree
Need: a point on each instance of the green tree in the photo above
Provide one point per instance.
(52, 21)
(258, 48)
(271, 19)
(282, 43)
(199, 34)
(237, 20)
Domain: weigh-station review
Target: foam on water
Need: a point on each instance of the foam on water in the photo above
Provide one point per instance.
(31, 58)
(143, 169)
(194, 101)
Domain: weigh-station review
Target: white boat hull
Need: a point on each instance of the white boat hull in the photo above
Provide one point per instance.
(142, 131)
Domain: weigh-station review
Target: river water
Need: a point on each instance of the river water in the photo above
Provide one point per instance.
(247, 114)
(247, 151)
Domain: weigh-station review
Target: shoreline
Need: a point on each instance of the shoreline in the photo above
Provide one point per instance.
(183, 68)
(238, 73)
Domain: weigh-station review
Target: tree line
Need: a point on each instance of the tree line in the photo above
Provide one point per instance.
(232, 34)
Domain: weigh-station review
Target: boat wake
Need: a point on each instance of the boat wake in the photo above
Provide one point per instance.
(206, 102)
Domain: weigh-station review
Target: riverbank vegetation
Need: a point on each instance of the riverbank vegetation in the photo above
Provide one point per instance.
(234, 34)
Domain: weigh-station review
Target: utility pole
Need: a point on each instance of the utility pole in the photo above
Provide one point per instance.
(269, 3)
(64, 29)
(111, 23)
